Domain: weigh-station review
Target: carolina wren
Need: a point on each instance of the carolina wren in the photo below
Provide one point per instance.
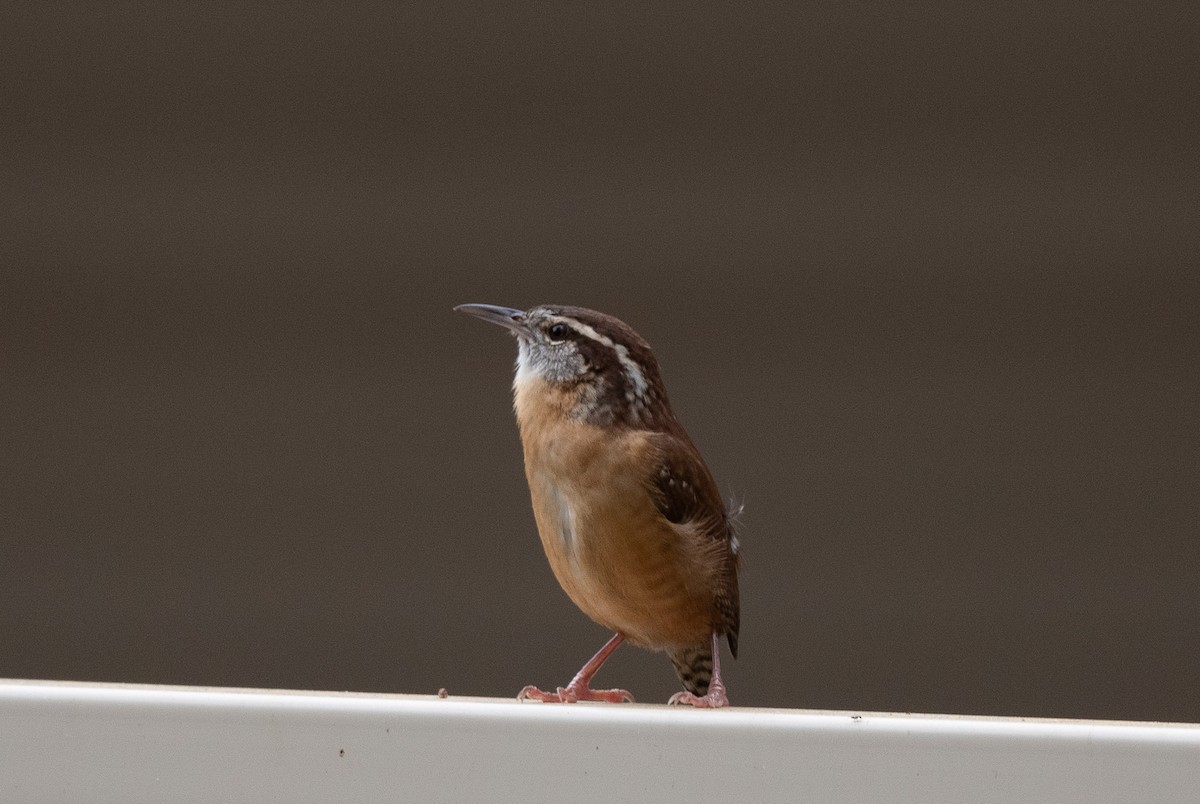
(628, 513)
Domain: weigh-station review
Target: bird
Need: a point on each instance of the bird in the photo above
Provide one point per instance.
(631, 520)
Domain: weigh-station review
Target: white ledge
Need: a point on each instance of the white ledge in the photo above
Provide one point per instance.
(123, 742)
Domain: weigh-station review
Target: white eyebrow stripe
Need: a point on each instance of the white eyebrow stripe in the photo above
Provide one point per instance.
(632, 370)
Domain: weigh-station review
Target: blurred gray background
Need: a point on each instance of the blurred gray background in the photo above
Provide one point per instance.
(922, 279)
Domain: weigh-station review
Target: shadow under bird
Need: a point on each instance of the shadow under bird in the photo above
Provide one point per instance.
(629, 515)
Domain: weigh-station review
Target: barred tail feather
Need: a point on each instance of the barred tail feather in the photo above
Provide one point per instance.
(694, 667)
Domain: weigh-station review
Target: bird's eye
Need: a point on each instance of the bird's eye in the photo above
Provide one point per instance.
(558, 332)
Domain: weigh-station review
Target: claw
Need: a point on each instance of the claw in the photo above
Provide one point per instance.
(571, 694)
(715, 699)
(578, 689)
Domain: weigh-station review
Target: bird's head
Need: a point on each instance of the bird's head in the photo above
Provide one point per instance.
(605, 367)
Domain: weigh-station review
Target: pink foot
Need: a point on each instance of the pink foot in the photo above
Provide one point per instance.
(579, 689)
(572, 694)
(714, 699)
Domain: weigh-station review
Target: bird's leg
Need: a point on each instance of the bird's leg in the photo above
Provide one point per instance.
(715, 697)
(579, 689)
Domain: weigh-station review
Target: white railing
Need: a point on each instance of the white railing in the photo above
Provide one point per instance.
(68, 742)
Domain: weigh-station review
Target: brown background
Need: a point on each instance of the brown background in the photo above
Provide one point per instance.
(922, 279)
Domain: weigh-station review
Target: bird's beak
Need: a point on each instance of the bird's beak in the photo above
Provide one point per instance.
(504, 316)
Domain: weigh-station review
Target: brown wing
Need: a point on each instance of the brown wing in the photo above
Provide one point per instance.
(687, 493)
